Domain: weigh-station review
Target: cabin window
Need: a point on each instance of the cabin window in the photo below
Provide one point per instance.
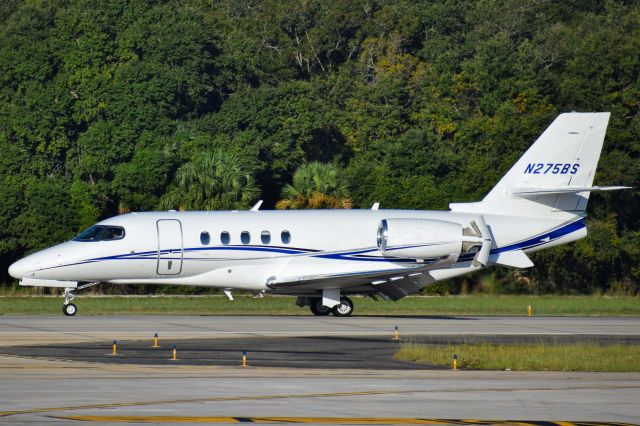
(101, 233)
(205, 239)
(245, 237)
(265, 237)
(286, 237)
(225, 238)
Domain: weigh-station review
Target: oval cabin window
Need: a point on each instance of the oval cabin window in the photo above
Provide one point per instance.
(265, 237)
(245, 237)
(205, 239)
(225, 238)
(286, 237)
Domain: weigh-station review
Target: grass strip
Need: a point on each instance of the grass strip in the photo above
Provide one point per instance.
(284, 305)
(527, 357)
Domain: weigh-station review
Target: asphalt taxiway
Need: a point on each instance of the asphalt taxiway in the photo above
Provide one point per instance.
(331, 384)
(16, 330)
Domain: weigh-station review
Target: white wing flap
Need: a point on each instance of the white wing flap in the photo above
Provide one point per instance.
(343, 280)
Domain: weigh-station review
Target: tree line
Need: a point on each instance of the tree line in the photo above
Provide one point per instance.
(132, 105)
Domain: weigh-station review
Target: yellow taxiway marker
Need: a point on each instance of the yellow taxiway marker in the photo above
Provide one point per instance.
(396, 334)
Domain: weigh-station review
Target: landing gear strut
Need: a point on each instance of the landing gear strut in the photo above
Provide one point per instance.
(69, 309)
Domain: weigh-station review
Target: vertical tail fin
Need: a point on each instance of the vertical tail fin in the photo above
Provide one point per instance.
(555, 174)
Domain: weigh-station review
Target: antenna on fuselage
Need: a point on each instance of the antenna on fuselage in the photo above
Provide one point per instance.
(256, 206)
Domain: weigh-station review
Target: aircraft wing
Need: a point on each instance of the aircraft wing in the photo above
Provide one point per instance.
(395, 283)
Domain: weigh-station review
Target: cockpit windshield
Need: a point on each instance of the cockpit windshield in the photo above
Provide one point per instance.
(101, 233)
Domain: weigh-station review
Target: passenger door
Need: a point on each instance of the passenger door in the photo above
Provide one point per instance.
(170, 247)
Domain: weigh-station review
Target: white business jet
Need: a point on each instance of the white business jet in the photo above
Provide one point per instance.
(322, 256)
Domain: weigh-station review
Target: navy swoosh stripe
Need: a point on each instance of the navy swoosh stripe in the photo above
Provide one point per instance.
(551, 235)
(369, 259)
(153, 254)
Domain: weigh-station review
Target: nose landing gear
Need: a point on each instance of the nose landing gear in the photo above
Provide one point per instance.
(69, 309)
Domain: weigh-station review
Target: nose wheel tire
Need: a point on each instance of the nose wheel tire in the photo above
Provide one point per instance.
(69, 309)
(344, 308)
(317, 308)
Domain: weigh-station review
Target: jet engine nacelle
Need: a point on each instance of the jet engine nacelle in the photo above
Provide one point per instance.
(420, 238)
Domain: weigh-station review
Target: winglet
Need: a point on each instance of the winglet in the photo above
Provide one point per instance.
(256, 206)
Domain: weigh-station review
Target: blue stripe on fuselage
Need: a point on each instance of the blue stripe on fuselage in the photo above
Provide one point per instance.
(354, 255)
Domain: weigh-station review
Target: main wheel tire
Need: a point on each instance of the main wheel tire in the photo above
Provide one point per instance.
(317, 308)
(70, 309)
(344, 308)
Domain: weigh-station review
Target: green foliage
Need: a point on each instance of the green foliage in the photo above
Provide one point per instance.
(278, 128)
(138, 182)
(215, 180)
(586, 356)
(109, 107)
(201, 301)
(315, 186)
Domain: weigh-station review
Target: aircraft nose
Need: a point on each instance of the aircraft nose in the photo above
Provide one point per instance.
(19, 269)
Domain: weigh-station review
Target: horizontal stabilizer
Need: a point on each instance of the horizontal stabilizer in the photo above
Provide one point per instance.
(513, 258)
(532, 192)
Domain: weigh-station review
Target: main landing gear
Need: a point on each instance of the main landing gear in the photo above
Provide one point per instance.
(317, 308)
(69, 309)
(342, 309)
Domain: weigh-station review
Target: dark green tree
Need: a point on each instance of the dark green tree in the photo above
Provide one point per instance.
(316, 185)
(214, 180)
